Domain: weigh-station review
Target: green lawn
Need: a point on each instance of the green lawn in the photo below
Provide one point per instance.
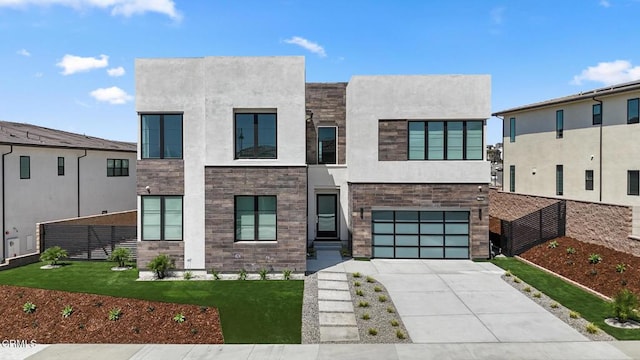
(250, 311)
(590, 307)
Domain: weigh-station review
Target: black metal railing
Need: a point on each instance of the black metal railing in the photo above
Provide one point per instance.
(89, 242)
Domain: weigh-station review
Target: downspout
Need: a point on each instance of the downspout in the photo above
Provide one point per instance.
(80, 157)
(600, 155)
(4, 216)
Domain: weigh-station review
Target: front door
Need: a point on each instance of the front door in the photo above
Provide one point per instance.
(327, 219)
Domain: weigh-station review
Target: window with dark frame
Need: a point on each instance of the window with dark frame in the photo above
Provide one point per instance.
(161, 136)
(512, 129)
(162, 218)
(512, 178)
(255, 218)
(25, 167)
(633, 182)
(255, 136)
(60, 166)
(596, 111)
(327, 144)
(559, 124)
(117, 167)
(559, 179)
(445, 140)
(588, 179)
(633, 111)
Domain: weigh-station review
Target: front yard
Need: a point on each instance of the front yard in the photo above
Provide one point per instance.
(250, 311)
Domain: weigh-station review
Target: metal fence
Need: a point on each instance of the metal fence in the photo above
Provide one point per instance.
(89, 242)
(522, 234)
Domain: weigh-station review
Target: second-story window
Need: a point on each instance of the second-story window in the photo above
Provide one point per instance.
(445, 140)
(559, 180)
(512, 129)
(255, 136)
(559, 124)
(596, 112)
(633, 111)
(25, 167)
(327, 145)
(60, 166)
(161, 136)
(117, 167)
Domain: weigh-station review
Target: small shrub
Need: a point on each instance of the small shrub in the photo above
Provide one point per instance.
(553, 245)
(53, 254)
(574, 314)
(537, 295)
(527, 289)
(67, 311)
(194, 331)
(365, 316)
(390, 310)
(179, 318)
(620, 268)
(516, 280)
(571, 250)
(382, 298)
(188, 275)
(394, 322)
(150, 308)
(242, 274)
(508, 273)
(623, 304)
(203, 309)
(595, 259)
(121, 256)
(400, 335)
(115, 314)
(359, 292)
(377, 289)
(81, 326)
(161, 264)
(286, 274)
(356, 283)
(373, 331)
(356, 275)
(263, 274)
(34, 324)
(363, 304)
(29, 307)
(554, 305)
(592, 328)
(136, 330)
(216, 274)
(370, 279)
(98, 303)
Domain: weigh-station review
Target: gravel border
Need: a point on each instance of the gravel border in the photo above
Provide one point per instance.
(560, 311)
(310, 311)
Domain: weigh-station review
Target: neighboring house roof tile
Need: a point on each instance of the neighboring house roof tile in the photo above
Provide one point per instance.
(12, 133)
(609, 90)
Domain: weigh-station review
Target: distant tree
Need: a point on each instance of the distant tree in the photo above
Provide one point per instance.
(493, 155)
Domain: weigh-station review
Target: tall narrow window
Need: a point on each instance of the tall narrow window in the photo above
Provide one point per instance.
(633, 110)
(255, 136)
(161, 218)
(455, 140)
(512, 129)
(633, 182)
(60, 166)
(559, 124)
(512, 178)
(255, 218)
(161, 136)
(327, 145)
(559, 179)
(588, 179)
(436, 140)
(473, 139)
(596, 112)
(25, 167)
(416, 140)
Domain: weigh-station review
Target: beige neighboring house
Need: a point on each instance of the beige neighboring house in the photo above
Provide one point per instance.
(49, 174)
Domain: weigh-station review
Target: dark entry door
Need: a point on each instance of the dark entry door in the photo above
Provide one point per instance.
(327, 219)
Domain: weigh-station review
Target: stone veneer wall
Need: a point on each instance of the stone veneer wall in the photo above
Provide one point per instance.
(147, 250)
(428, 196)
(392, 140)
(602, 224)
(289, 185)
(163, 176)
(328, 102)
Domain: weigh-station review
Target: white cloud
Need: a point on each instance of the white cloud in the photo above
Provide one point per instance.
(125, 8)
(72, 64)
(497, 15)
(309, 45)
(23, 52)
(608, 73)
(113, 95)
(605, 3)
(115, 72)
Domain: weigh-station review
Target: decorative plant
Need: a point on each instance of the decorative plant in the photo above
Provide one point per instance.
(203, 309)
(29, 307)
(571, 250)
(620, 268)
(363, 304)
(216, 275)
(553, 244)
(121, 256)
(382, 298)
(516, 280)
(373, 331)
(508, 273)
(242, 274)
(114, 314)
(365, 316)
(623, 304)
(53, 255)
(390, 310)
(286, 274)
(357, 283)
(394, 322)
(370, 279)
(67, 311)
(554, 305)
(574, 314)
(537, 295)
(161, 264)
(188, 275)
(356, 275)
(592, 328)
(151, 308)
(359, 292)
(377, 289)
(263, 274)
(179, 318)
(527, 289)
(595, 259)
(399, 334)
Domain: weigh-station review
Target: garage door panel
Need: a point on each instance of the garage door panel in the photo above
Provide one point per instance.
(406, 228)
(407, 252)
(456, 240)
(406, 240)
(456, 228)
(382, 240)
(431, 240)
(383, 228)
(456, 253)
(383, 252)
(431, 229)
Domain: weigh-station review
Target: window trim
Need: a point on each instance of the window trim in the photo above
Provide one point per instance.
(255, 135)
(122, 169)
(162, 215)
(559, 180)
(636, 174)
(512, 178)
(335, 128)
(445, 140)
(26, 159)
(161, 143)
(588, 180)
(596, 119)
(559, 124)
(60, 166)
(512, 129)
(636, 119)
(256, 218)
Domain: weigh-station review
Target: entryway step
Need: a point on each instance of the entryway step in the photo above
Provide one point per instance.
(327, 245)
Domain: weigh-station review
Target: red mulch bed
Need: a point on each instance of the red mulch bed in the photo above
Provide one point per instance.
(577, 267)
(495, 225)
(141, 321)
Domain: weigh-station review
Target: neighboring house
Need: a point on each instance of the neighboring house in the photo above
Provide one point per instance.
(50, 174)
(579, 147)
(243, 165)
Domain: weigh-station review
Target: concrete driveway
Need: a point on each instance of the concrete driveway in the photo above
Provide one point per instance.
(460, 301)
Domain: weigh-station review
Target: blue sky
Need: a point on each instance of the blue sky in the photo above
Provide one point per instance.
(69, 64)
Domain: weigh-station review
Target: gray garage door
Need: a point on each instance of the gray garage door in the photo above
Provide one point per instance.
(405, 234)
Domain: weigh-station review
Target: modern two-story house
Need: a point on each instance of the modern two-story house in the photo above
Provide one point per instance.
(241, 164)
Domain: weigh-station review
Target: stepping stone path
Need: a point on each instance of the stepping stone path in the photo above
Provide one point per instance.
(337, 318)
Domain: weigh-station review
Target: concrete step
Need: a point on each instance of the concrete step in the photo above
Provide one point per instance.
(327, 245)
